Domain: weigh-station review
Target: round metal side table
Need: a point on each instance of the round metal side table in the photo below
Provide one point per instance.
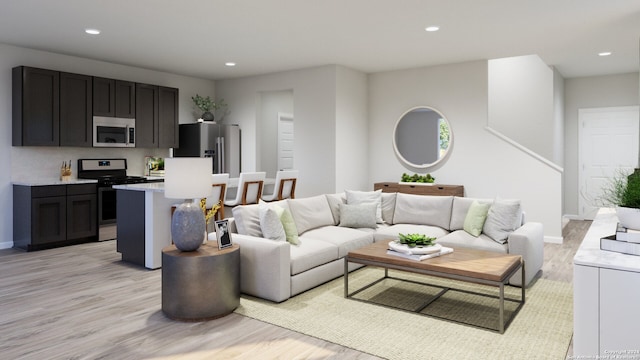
(200, 285)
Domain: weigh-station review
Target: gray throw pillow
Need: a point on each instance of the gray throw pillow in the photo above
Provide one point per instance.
(358, 216)
(502, 219)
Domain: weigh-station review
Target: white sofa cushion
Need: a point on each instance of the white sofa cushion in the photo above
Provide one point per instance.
(423, 210)
(345, 239)
(358, 216)
(462, 239)
(391, 232)
(310, 213)
(503, 218)
(311, 253)
(459, 211)
(364, 197)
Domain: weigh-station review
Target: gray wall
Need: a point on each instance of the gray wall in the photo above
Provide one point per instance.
(589, 92)
(44, 162)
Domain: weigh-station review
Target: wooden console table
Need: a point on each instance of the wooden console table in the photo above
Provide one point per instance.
(419, 189)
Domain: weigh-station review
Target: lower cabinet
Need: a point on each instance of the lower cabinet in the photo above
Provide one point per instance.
(54, 215)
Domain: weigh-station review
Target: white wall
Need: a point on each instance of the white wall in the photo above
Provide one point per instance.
(314, 103)
(44, 162)
(589, 92)
(521, 102)
(271, 103)
(352, 135)
(486, 165)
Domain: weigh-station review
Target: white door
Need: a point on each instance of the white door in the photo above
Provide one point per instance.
(608, 143)
(285, 141)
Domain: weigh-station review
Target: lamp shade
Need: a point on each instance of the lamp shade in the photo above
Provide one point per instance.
(187, 177)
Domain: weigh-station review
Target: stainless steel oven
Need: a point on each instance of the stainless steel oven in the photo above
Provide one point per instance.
(108, 172)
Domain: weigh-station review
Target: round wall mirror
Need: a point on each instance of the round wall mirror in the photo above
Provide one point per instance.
(422, 138)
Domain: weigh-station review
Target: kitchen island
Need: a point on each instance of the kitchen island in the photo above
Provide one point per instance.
(144, 221)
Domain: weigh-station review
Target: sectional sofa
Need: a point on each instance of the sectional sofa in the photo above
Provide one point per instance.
(290, 246)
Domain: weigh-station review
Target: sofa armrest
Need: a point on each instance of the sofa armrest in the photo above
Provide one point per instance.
(528, 241)
(265, 267)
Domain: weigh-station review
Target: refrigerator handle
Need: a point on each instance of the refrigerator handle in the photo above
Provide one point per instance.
(222, 155)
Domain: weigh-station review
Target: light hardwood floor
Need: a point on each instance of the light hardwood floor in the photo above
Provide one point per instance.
(82, 302)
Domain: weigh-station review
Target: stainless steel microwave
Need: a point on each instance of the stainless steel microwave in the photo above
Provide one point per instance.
(114, 132)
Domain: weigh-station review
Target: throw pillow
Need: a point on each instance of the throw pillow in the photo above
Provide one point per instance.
(503, 218)
(358, 216)
(270, 223)
(363, 197)
(476, 216)
(290, 229)
(247, 219)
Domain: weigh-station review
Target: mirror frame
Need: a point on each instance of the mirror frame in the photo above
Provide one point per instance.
(422, 167)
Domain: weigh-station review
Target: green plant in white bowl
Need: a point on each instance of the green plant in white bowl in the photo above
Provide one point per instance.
(413, 240)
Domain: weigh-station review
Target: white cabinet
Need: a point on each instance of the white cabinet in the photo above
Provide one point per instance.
(606, 296)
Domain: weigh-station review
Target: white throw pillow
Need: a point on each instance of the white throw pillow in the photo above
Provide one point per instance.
(502, 219)
(358, 216)
(334, 203)
(270, 223)
(364, 197)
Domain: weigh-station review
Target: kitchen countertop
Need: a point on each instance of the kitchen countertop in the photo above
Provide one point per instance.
(589, 253)
(52, 181)
(153, 187)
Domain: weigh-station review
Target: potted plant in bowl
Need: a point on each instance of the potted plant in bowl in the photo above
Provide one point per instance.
(623, 192)
(207, 105)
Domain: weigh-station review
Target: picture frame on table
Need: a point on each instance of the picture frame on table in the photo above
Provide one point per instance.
(223, 234)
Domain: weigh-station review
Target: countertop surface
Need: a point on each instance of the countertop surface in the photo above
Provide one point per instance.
(153, 187)
(52, 181)
(589, 253)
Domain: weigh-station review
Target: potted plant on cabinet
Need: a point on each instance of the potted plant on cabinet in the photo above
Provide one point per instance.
(623, 192)
(207, 106)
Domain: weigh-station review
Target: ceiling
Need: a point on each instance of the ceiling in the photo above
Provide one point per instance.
(196, 37)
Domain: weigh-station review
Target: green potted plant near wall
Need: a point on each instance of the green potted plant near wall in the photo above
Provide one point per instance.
(623, 192)
(207, 106)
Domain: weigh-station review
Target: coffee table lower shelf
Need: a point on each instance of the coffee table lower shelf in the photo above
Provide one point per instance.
(502, 323)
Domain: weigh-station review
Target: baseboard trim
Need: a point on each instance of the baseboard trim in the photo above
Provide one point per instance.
(553, 239)
(6, 244)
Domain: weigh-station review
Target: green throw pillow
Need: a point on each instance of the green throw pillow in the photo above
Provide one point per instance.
(290, 228)
(476, 216)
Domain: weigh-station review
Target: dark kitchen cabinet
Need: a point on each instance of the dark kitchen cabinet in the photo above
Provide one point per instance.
(35, 107)
(168, 121)
(156, 116)
(54, 215)
(76, 110)
(114, 98)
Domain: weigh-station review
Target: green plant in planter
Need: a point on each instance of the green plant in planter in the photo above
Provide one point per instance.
(207, 105)
(622, 190)
(413, 240)
(417, 178)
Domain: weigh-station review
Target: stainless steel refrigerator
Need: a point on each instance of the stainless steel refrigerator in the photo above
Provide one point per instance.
(220, 142)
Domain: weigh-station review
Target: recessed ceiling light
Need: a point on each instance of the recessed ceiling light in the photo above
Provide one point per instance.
(92, 31)
(604, 53)
(432, 28)
(230, 64)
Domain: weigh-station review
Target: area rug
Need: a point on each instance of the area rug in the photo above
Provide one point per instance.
(541, 330)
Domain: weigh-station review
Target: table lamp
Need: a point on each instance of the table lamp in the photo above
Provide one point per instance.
(187, 178)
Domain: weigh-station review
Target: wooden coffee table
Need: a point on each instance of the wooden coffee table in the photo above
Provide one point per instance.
(483, 267)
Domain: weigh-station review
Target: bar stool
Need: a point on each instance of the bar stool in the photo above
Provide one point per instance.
(219, 192)
(249, 189)
(285, 187)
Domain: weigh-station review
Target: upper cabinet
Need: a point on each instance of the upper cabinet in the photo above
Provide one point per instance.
(114, 98)
(76, 110)
(36, 107)
(52, 108)
(156, 116)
